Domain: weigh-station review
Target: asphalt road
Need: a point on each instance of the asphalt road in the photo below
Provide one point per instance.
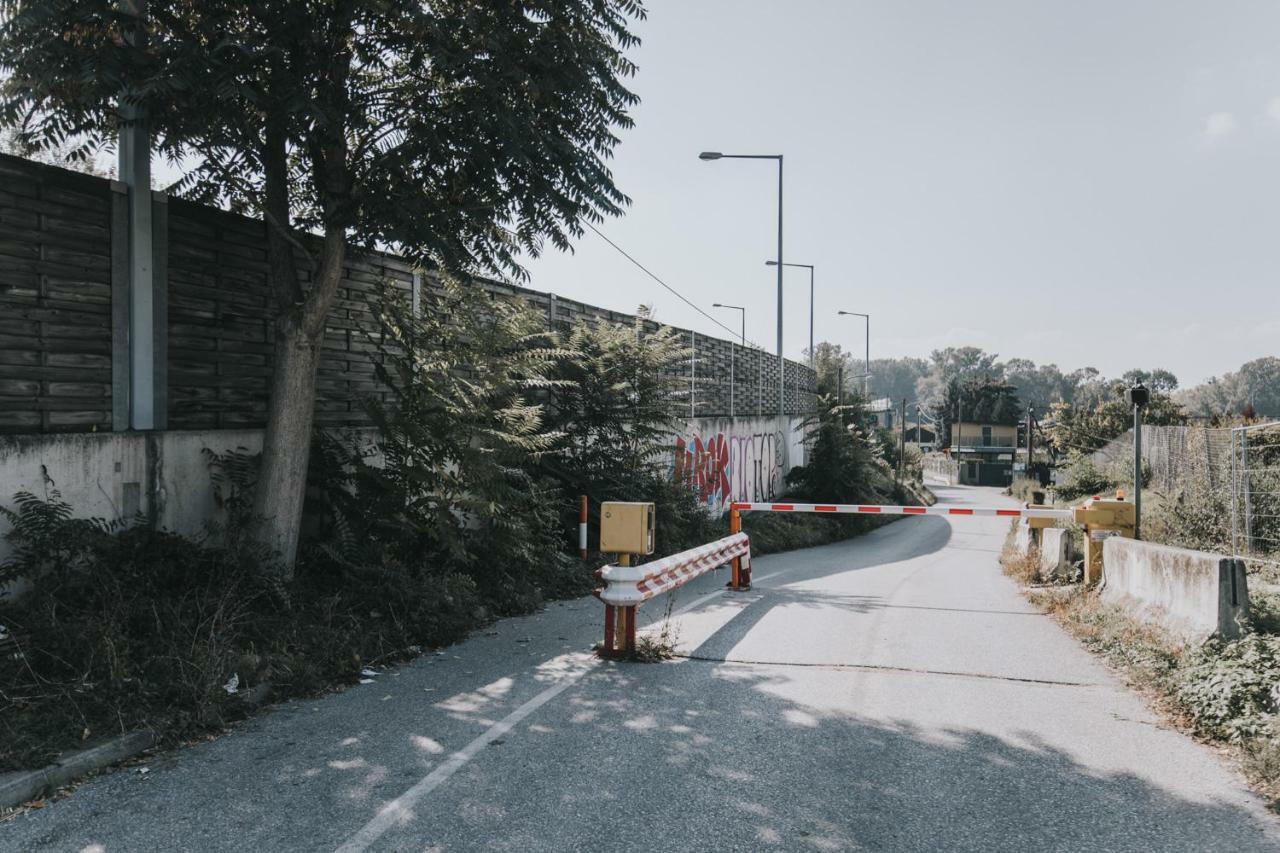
(894, 692)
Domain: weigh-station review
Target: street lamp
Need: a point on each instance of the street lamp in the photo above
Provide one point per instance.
(782, 362)
(809, 267)
(743, 312)
(866, 378)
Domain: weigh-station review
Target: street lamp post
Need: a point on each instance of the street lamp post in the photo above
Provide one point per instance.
(866, 377)
(743, 312)
(809, 267)
(782, 362)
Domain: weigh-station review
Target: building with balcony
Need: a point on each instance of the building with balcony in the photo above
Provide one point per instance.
(985, 452)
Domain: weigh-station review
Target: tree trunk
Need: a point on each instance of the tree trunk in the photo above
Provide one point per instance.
(286, 446)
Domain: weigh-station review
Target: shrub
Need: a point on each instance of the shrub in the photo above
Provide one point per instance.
(1023, 488)
(1230, 688)
(1083, 479)
(121, 624)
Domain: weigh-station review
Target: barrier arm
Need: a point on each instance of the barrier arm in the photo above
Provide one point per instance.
(627, 587)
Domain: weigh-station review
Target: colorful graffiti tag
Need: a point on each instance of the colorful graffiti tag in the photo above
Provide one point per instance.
(724, 467)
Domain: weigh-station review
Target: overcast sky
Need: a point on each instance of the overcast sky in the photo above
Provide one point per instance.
(1086, 183)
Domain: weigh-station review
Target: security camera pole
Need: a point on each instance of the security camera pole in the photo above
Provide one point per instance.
(1138, 397)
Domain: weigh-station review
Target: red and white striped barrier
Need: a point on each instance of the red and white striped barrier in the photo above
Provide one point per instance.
(627, 587)
(882, 509)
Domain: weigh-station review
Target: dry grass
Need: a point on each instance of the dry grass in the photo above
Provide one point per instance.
(1024, 568)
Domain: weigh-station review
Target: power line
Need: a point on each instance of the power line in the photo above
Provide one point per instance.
(669, 288)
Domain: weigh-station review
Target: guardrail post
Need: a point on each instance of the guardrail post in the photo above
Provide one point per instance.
(739, 578)
(619, 626)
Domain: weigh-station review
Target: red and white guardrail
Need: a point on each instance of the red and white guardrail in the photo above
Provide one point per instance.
(883, 509)
(627, 587)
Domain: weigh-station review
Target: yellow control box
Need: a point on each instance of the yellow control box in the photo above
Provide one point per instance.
(1102, 518)
(626, 527)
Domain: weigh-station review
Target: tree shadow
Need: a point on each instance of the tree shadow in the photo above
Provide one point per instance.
(692, 756)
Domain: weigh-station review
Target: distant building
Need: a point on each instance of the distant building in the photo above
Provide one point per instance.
(985, 452)
(922, 435)
(883, 412)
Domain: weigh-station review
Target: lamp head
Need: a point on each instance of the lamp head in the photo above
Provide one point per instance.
(710, 155)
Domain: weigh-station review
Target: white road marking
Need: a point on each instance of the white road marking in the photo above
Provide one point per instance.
(401, 808)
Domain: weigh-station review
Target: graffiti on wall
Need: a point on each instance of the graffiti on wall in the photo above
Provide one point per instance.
(725, 466)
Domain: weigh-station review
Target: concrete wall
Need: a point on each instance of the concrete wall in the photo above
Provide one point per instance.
(165, 474)
(1191, 593)
(1055, 554)
(113, 475)
(738, 459)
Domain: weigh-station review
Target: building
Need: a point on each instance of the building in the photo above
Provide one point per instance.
(985, 452)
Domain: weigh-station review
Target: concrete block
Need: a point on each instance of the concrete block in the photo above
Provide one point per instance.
(1024, 538)
(1055, 554)
(1195, 594)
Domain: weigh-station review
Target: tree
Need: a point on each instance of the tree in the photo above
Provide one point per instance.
(954, 363)
(896, 378)
(459, 132)
(1255, 385)
(832, 365)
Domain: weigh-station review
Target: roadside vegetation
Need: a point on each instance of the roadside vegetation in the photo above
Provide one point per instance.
(462, 511)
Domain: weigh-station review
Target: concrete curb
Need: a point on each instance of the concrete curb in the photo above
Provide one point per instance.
(18, 788)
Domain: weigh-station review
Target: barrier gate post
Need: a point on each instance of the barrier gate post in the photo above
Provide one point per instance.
(619, 625)
(739, 578)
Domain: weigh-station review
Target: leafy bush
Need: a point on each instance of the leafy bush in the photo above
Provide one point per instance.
(1083, 480)
(1023, 488)
(843, 460)
(1230, 688)
(121, 624)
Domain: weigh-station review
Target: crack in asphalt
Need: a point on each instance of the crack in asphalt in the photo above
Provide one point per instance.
(888, 668)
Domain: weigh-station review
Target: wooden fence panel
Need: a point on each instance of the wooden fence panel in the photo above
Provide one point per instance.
(55, 299)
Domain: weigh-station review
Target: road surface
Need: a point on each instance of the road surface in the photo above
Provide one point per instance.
(894, 692)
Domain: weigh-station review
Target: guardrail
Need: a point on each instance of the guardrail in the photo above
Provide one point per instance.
(627, 587)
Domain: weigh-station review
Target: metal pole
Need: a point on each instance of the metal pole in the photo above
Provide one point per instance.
(693, 369)
(1137, 472)
(812, 356)
(1030, 441)
(866, 371)
(732, 358)
(902, 440)
(782, 362)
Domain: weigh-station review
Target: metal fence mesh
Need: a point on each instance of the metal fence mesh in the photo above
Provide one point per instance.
(1255, 492)
(1219, 489)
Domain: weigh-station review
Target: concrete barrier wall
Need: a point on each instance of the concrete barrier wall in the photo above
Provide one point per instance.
(1055, 554)
(1192, 593)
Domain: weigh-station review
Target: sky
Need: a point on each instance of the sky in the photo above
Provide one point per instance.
(1084, 183)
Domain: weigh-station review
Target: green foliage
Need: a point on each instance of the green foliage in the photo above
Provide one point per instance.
(843, 459)
(1082, 479)
(120, 624)
(614, 406)
(453, 480)
(1230, 688)
(457, 131)
(984, 401)
(1253, 391)
(1100, 413)
(1023, 488)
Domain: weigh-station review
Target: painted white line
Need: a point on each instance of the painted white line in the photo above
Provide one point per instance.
(401, 808)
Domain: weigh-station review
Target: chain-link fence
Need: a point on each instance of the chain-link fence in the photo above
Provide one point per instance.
(1255, 492)
(1212, 489)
